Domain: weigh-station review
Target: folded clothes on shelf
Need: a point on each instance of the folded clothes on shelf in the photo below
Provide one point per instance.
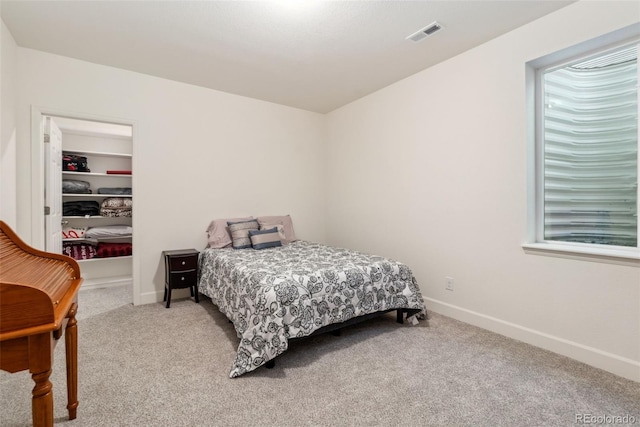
(124, 191)
(116, 207)
(79, 251)
(74, 186)
(73, 232)
(81, 208)
(74, 163)
(108, 250)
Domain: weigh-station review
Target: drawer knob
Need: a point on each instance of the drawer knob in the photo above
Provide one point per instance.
(182, 278)
(183, 263)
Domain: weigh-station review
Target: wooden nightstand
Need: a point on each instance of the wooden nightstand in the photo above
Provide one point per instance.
(180, 271)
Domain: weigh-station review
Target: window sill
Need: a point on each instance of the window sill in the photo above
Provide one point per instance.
(629, 257)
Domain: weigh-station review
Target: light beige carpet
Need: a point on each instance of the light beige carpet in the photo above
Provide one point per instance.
(151, 366)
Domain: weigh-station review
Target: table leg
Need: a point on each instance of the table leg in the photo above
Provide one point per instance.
(71, 350)
(40, 361)
(42, 401)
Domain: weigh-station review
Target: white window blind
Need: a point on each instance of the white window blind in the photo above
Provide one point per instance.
(590, 132)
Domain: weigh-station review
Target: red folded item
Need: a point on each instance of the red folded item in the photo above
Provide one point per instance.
(78, 251)
(106, 250)
(118, 172)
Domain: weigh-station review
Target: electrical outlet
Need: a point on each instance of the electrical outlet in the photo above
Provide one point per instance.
(448, 283)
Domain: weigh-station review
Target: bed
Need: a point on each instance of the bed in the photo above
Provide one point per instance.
(292, 291)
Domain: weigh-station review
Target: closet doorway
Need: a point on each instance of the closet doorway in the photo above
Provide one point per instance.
(86, 195)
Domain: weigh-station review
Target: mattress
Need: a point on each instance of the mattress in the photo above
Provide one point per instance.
(275, 294)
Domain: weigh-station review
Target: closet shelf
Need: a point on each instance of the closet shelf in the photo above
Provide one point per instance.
(96, 259)
(110, 175)
(94, 195)
(93, 217)
(98, 153)
(99, 239)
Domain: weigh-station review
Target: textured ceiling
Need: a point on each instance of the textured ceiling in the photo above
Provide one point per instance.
(314, 55)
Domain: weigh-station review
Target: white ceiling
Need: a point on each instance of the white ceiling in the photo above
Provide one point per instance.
(90, 127)
(314, 55)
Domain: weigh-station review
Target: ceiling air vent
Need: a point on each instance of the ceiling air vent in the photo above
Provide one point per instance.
(429, 30)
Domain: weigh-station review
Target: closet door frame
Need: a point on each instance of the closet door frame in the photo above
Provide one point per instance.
(38, 180)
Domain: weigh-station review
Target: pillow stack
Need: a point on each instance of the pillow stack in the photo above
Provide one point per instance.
(248, 232)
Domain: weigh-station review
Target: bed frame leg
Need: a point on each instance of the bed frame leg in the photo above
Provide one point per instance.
(399, 316)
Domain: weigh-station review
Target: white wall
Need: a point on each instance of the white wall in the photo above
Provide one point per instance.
(8, 49)
(432, 171)
(199, 154)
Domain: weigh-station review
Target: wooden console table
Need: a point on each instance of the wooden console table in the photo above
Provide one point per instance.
(38, 303)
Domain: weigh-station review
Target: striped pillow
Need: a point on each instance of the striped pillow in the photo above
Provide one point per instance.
(240, 233)
(279, 227)
(262, 239)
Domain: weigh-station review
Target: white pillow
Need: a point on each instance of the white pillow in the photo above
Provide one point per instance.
(109, 231)
(284, 220)
(279, 227)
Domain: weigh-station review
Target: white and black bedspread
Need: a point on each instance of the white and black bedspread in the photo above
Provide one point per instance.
(275, 294)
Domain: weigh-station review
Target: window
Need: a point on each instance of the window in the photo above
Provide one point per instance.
(586, 144)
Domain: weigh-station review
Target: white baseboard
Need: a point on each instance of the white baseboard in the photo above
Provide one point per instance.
(158, 296)
(106, 282)
(617, 365)
(150, 297)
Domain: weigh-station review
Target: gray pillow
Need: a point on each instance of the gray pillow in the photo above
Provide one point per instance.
(240, 233)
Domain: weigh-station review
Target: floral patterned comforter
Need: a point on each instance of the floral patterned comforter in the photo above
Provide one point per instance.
(275, 294)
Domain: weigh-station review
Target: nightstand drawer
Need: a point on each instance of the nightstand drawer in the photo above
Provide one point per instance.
(183, 263)
(183, 279)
